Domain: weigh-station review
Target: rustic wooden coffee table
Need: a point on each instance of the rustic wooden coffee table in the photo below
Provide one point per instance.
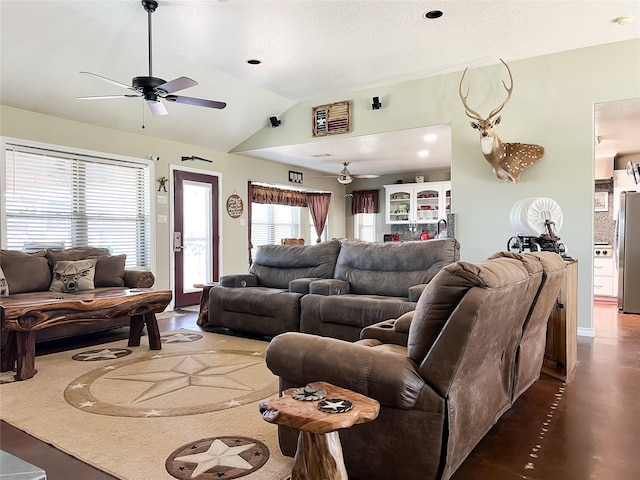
(319, 453)
(23, 315)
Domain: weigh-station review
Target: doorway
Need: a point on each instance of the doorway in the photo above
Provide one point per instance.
(195, 239)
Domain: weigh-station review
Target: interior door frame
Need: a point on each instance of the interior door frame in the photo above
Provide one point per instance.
(218, 227)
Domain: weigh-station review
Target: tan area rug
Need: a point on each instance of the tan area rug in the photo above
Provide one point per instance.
(188, 411)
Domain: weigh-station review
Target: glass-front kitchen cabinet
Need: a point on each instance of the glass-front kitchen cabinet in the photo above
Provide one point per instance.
(417, 202)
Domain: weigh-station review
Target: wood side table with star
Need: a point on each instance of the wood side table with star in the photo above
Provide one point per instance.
(319, 453)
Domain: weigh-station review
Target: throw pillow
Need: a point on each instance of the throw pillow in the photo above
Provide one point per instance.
(25, 272)
(109, 270)
(4, 286)
(70, 276)
(55, 255)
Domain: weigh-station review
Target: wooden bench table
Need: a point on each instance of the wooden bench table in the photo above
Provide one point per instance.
(24, 314)
(319, 453)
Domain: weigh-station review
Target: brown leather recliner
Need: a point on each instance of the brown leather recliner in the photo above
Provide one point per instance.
(442, 384)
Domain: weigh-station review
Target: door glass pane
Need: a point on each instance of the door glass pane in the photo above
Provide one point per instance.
(196, 234)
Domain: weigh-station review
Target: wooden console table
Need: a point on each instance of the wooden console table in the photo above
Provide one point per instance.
(561, 350)
(319, 453)
(24, 314)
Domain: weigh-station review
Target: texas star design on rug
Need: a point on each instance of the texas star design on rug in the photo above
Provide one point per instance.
(171, 383)
(220, 457)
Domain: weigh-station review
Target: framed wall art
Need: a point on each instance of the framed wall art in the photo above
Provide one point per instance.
(601, 201)
(332, 119)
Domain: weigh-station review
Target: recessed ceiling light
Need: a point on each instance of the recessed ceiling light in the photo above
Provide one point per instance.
(433, 14)
(432, 137)
(254, 61)
(423, 153)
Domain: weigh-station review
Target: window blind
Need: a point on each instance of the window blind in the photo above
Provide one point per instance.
(270, 223)
(365, 226)
(55, 198)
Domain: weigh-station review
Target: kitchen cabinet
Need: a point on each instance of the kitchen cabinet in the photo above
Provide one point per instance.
(426, 202)
(604, 277)
(562, 328)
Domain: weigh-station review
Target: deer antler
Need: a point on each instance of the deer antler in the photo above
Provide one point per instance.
(470, 113)
(496, 110)
(508, 160)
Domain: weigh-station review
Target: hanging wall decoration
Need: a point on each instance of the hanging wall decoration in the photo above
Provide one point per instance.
(332, 119)
(235, 206)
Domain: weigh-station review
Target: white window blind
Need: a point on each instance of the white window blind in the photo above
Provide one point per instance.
(54, 198)
(270, 223)
(365, 226)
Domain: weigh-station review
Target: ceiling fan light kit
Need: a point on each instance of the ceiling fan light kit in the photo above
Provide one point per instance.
(153, 89)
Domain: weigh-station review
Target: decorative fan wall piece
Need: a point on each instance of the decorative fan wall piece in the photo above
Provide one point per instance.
(153, 89)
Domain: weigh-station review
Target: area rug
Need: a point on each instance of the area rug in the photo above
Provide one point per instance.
(188, 411)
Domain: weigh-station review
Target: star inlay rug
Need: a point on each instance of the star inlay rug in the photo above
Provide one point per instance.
(194, 402)
(173, 383)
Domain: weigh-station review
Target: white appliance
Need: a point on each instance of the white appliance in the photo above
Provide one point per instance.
(604, 273)
(628, 252)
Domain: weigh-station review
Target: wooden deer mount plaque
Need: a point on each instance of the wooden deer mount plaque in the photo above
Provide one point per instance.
(332, 119)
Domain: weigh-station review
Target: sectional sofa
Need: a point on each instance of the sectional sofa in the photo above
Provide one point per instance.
(443, 375)
(332, 288)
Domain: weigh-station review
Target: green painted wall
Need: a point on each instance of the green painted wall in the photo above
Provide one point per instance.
(552, 105)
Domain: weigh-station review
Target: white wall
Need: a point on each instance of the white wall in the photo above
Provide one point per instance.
(552, 105)
(235, 171)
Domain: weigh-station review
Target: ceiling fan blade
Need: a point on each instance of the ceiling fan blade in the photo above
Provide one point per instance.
(365, 176)
(157, 107)
(108, 80)
(107, 97)
(200, 102)
(179, 83)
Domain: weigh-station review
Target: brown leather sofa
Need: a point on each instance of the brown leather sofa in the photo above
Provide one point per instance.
(443, 374)
(32, 272)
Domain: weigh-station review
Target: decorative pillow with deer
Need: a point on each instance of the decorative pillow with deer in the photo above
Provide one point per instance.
(73, 276)
(4, 286)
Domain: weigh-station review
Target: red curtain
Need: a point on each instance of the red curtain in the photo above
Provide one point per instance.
(365, 201)
(318, 204)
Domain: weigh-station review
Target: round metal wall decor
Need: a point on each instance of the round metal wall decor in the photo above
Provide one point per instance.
(235, 206)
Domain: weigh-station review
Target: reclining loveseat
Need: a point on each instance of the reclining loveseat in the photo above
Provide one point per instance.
(331, 288)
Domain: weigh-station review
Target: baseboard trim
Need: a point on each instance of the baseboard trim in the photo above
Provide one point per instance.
(586, 332)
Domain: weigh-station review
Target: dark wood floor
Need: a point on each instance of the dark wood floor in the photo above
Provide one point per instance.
(587, 429)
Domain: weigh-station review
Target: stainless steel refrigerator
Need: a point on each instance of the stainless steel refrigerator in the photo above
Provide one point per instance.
(628, 247)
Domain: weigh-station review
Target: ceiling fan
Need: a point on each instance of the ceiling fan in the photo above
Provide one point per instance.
(151, 88)
(345, 177)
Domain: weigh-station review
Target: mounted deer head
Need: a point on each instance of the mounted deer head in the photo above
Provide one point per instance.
(508, 160)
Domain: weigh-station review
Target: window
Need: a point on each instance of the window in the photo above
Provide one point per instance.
(364, 226)
(56, 198)
(270, 223)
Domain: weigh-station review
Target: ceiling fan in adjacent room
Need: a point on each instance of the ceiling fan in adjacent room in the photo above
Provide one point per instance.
(151, 88)
(345, 177)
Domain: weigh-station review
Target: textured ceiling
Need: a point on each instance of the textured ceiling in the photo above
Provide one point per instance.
(308, 49)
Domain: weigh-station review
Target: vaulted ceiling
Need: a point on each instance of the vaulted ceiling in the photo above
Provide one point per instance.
(307, 49)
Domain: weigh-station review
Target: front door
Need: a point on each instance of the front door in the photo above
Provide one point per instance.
(195, 234)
